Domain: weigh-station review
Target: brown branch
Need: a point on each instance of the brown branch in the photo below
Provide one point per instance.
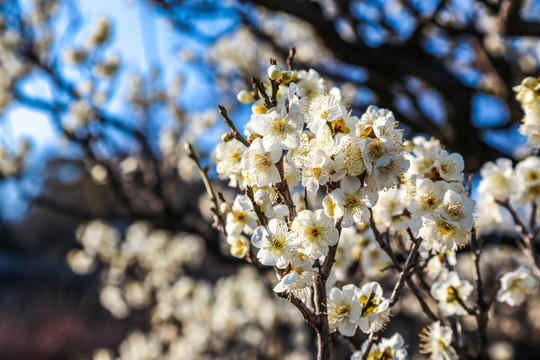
(482, 307)
(394, 298)
(410, 283)
(511, 24)
(219, 222)
(230, 125)
(308, 315)
(283, 190)
(526, 236)
(259, 87)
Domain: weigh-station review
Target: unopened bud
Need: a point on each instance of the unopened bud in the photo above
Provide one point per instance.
(189, 148)
(274, 72)
(225, 208)
(530, 82)
(227, 137)
(245, 97)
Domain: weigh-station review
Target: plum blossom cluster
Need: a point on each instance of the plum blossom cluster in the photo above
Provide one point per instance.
(320, 186)
(156, 259)
(307, 138)
(505, 188)
(326, 195)
(190, 318)
(440, 212)
(387, 348)
(353, 307)
(527, 93)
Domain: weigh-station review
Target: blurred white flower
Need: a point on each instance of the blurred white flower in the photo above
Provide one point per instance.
(516, 286)
(437, 342)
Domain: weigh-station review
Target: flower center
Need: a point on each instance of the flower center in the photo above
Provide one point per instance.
(262, 162)
(369, 304)
(446, 229)
(452, 295)
(531, 176)
(338, 126)
(277, 242)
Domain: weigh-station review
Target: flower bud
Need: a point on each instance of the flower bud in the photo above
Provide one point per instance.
(225, 208)
(227, 137)
(245, 97)
(530, 82)
(274, 72)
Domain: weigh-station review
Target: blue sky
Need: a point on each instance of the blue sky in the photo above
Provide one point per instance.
(142, 38)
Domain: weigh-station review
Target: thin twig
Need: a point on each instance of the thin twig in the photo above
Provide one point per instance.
(290, 58)
(231, 126)
(282, 188)
(394, 298)
(308, 315)
(526, 236)
(219, 223)
(258, 86)
(410, 283)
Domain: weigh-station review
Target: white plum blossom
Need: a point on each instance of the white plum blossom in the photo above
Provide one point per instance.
(387, 348)
(375, 308)
(278, 129)
(443, 235)
(242, 217)
(299, 155)
(298, 277)
(449, 291)
(426, 195)
(429, 160)
(343, 309)
(262, 198)
(389, 213)
(352, 201)
(309, 83)
(385, 126)
(374, 259)
(436, 265)
(457, 209)
(497, 179)
(228, 162)
(315, 232)
(322, 109)
(343, 125)
(528, 179)
(347, 158)
(450, 166)
(276, 244)
(239, 245)
(528, 96)
(516, 286)
(437, 342)
(259, 163)
(374, 149)
(364, 128)
(387, 170)
(316, 170)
